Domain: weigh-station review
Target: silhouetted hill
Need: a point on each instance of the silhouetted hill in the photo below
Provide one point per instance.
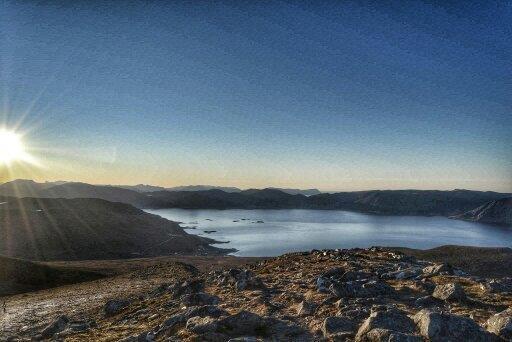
(28, 188)
(25, 188)
(83, 190)
(496, 212)
(386, 202)
(405, 202)
(141, 187)
(305, 192)
(203, 188)
(79, 229)
(18, 276)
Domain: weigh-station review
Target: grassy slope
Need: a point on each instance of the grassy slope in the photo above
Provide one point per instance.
(480, 261)
(17, 276)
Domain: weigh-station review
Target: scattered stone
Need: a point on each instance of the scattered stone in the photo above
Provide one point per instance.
(501, 324)
(114, 306)
(449, 292)
(446, 327)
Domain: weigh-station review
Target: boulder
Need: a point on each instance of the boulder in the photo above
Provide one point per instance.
(402, 274)
(438, 269)
(188, 287)
(200, 298)
(385, 335)
(243, 323)
(195, 311)
(306, 308)
(335, 325)
(394, 320)
(114, 306)
(428, 302)
(55, 327)
(322, 284)
(356, 275)
(449, 292)
(201, 325)
(435, 326)
(501, 324)
(503, 285)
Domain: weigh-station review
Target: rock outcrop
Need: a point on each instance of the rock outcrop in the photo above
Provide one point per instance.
(372, 294)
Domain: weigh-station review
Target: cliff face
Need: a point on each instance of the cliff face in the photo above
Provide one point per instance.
(495, 212)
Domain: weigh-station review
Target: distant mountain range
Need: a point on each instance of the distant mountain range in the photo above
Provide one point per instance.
(151, 188)
(89, 228)
(386, 202)
(495, 212)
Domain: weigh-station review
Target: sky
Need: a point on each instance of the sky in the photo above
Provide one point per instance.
(329, 95)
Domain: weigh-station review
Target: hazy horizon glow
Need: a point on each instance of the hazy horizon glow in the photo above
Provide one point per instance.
(336, 96)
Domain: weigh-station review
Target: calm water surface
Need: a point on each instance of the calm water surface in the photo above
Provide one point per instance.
(299, 230)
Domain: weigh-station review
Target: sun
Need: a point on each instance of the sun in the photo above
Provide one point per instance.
(11, 147)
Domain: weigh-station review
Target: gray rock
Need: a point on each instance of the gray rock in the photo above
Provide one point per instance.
(391, 319)
(243, 323)
(114, 306)
(199, 298)
(356, 275)
(385, 335)
(201, 325)
(334, 325)
(438, 269)
(322, 284)
(245, 339)
(428, 302)
(449, 292)
(503, 285)
(501, 324)
(435, 326)
(55, 327)
(306, 308)
(403, 274)
(182, 317)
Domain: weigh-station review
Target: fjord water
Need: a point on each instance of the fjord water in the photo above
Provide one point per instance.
(285, 231)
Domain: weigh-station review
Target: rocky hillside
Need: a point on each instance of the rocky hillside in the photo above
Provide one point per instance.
(334, 295)
(18, 276)
(80, 229)
(495, 212)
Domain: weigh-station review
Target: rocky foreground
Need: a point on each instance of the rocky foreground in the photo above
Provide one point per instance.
(336, 295)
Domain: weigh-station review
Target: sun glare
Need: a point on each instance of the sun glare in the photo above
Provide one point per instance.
(11, 147)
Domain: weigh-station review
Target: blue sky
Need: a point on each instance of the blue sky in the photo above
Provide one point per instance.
(339, 96)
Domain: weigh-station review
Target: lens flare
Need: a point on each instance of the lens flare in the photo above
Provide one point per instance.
(11, 147)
